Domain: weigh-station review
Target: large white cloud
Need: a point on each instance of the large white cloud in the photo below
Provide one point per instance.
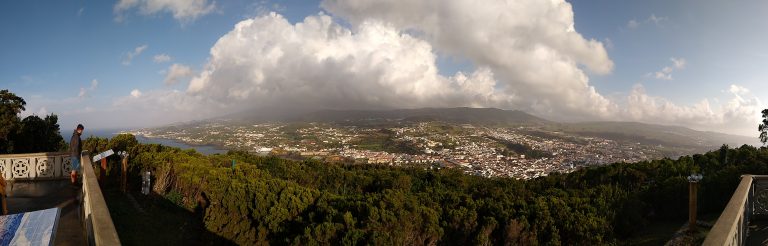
(527, 56)
(531, 46)
(495, 32)
(267, 61)
(741, 113)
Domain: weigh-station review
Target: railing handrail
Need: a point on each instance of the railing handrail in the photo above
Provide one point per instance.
(731, 226)
(38, 154)
(98, 221)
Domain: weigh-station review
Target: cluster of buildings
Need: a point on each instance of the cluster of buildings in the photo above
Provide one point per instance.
(476, 150)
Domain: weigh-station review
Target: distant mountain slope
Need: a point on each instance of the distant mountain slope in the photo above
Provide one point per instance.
(653, 134)
(480, 116)
(649, 134)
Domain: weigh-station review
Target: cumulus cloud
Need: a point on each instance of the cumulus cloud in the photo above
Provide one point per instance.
(465, 28)
(738, 90)
(679, 63)
(263, 7)
(135, 93)
(608, 43)
(177, 72)
(666, 72)
(643, 107)
(128, 57)
(738, 115)
(161, 58)
(160, 106)
(84, 91)
(318, 63)
(656, 20)
(182, 10)
(531, 47)
(742, 112)
(527, 56)
(633, 24)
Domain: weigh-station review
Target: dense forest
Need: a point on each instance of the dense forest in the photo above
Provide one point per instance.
(267, 200)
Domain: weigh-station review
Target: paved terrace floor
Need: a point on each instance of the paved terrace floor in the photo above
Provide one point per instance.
(26, 196)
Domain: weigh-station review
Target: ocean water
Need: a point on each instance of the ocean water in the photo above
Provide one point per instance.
(109, 133)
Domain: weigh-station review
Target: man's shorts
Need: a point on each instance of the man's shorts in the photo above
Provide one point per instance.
(75, 164)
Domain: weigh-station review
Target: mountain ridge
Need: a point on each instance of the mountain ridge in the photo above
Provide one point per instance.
(616, 130)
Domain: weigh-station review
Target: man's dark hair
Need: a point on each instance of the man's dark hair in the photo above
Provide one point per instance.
(80, 127)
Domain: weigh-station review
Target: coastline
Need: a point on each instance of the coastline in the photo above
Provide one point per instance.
(202, 148)
(206, 149)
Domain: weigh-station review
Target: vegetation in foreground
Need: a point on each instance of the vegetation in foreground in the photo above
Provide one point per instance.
(267, 200)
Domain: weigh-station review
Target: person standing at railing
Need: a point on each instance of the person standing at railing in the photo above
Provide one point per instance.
(75, 148)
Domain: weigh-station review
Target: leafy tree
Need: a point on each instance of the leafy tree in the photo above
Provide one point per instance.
(123, 142)
(10, 107)
(95, 145)
(32, 134)
(724, 154)
(39, 135)
(763, 128)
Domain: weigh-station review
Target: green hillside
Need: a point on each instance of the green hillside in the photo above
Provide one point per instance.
(266, 200)
(673, 140)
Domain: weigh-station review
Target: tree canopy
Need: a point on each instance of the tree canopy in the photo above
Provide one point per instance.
(267, 200)
(10, 106)
(28, 135)
(763, 127)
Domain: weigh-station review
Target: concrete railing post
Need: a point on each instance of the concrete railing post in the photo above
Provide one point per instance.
(693, 184)
(124, 174)
(692, 200)
(102, 171)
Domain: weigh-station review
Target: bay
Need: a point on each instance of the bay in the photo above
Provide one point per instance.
(109, 133)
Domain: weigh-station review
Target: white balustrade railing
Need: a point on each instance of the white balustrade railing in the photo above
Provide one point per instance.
(53, 165)
(97, 222)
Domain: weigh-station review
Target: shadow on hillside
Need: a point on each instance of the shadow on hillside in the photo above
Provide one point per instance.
(154, 220)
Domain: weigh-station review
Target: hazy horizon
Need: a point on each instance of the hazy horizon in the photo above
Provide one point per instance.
(142, 63)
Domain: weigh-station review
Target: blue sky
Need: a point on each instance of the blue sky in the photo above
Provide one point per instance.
(722, 43)
(53, 51)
